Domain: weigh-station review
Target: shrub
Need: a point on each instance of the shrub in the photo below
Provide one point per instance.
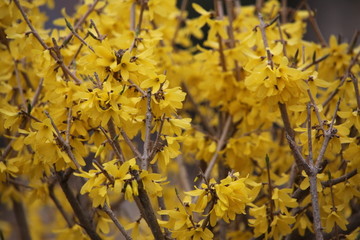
(117, 125)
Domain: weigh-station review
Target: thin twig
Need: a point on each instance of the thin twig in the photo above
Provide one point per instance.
(270, 189)
(147, 142)
(309, 127)
(183, 174)
(65, 145)
(353, 41)
(143, 4)
(299, 159)
(103, 171)
(116, 150)
(203, 118)
(70, 222)
(220, 15)
(262, 27)
(328, 134)
(78, 36)
(114, 137)
(230, 12)
(316, 109)
(37, 92)
(147, 212)
(356, 88)
(338, 180)
(112, 216)
(315, 26)
(81, 214)
(284, 12)
(131, 144)
(220, 145)
(68, 126)
(20, 217)
(180, 20)
(44, 45)
(29, 116)
(156, 142)
(316, 61)
(286, 120)
(80, 21)
(139, 89)
(20, 89)
(343, 79)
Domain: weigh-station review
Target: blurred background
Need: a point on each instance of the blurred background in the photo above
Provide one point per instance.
(333, 16)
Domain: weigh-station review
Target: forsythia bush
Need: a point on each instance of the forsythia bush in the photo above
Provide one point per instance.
(115, 125)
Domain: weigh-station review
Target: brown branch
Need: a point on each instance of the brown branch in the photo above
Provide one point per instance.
(315, 26)
(116, 150)
(103, 171)
(143, 4)
(37, 92)
(20, 217)
(139, 89)
(283, 42)
(229, 9)
(132, 16)
(20, 89)
(284, 11)
(29, 116)
(203, 119)
(183, 175)
(270, 189)
(316, 109)
(44, 45)
(220, 15)
(80, 21)
(114, 141)
(356, 89)
(343, 79)
(156, 142)
(147, 142)
(147, 211)
(80, 213)
(299, 159)
(353, 41)
(316, 61)
(328, 134)
(112, 216)
(220, 145)
(180, 19)
(343, 178)
(68, 126)
(262, 26)
(309, 127)
(70, 222)
(131, 145)
(63, 143)
(286, 120)
(315, 205)
(161, 203)
(8, 147)
(68, 24)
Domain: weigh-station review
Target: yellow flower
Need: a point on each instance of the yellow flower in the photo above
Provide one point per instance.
(154, 82)
(283, 200)
(334, 217)
(280, 226)
(282, 83)
(260, 221)
(125, 66)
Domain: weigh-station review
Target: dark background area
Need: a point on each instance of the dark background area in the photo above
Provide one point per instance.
(333, 16)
